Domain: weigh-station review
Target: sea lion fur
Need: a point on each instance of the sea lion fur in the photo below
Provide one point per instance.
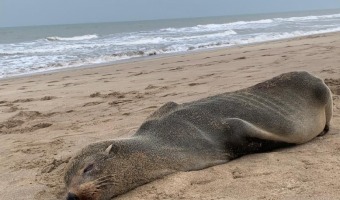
(289, 109)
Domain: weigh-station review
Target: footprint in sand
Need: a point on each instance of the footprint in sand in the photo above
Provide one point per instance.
(9, 124)
(38, 148)
(150, 87)
(105, 80)
(170, 94)
(237, 173)
(334, 85)
(54, 164)
(194, 84)
(138, 74)
(206, 75)
(107, 74)
(119, 102)
(27, 115)
(16, 123)
(11, 109)
(3, 102)
(329, 71)
(53, 82)
(241, 58)
(68, 84)
(92, 103)
(22, 88)
(176, 69)
(246, 67)
(23, 100)
(118, 95)
(47, 98)
(96, 94)
(41, 125)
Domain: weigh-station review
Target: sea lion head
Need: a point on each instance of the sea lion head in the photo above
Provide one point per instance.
(104, 170)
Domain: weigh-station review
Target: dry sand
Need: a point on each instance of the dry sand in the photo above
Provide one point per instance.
(46, 118)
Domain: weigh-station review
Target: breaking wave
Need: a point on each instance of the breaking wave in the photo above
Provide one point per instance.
(75, 38)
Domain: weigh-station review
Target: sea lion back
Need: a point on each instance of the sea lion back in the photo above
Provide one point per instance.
(303, 101)
(301, 83)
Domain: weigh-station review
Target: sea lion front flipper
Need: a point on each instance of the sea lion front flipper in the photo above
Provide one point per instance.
(166, 108)
(243, 137)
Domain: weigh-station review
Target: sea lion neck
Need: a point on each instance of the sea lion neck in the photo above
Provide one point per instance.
(171, 157)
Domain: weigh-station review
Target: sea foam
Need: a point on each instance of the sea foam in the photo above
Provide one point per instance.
(75, 38)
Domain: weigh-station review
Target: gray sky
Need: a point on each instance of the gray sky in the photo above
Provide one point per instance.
(43, 12)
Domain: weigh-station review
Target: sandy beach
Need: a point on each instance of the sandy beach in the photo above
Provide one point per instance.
(47, 118)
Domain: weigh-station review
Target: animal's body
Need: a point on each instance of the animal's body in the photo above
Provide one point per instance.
(292, 108)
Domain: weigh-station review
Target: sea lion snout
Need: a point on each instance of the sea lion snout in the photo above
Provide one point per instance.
(71, 196)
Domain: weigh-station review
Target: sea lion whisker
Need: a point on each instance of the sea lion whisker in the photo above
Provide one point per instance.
(104, 186)
(104, 180)
(101, 180)
(103, 183)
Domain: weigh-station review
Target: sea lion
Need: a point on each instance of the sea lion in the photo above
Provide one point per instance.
(289, 109)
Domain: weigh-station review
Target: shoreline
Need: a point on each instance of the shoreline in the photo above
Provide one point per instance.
(45, 119)
(159, 56)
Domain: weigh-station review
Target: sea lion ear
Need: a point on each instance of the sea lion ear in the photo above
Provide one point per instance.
(108, 149)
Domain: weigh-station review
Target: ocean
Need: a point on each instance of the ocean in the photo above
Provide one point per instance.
(27, 50)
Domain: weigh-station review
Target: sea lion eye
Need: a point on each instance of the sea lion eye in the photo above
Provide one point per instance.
(88, 168)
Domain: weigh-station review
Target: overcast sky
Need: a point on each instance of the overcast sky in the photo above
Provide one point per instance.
(43, 12)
